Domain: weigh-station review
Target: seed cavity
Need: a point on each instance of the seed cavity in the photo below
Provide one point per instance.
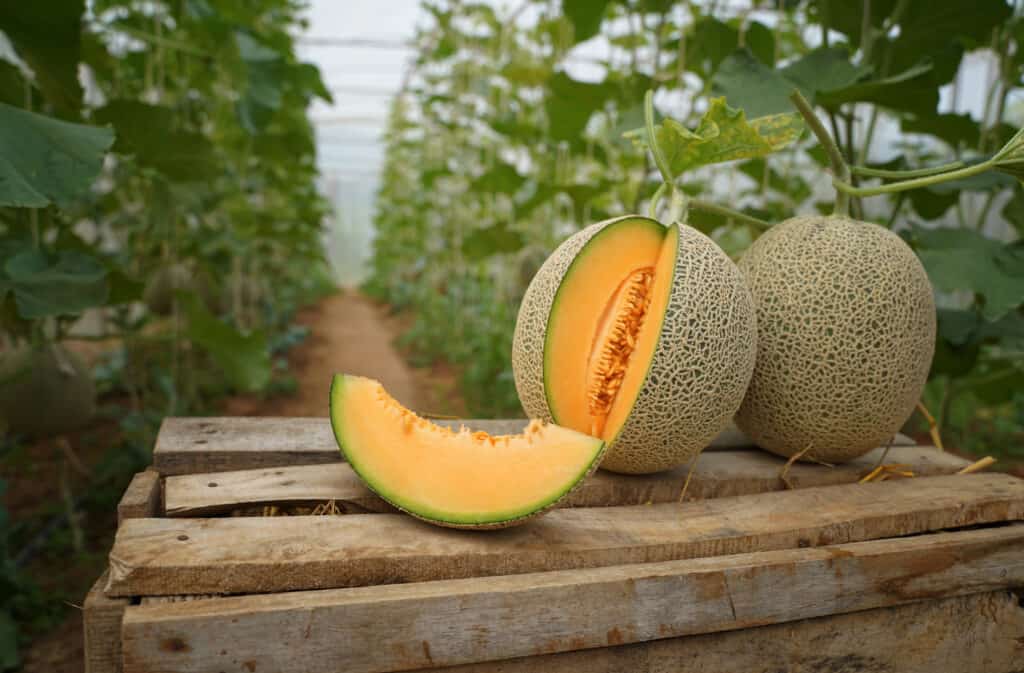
(614, 343)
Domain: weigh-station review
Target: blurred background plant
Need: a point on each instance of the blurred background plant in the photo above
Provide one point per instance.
(160, 223)
(508, 136)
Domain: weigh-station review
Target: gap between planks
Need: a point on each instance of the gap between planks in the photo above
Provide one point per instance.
(265, 554)
(446, 623)
(193, 445)
(718, 474)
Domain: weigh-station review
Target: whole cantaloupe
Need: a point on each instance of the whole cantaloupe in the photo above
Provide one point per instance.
(846, 333)
(45, 391)
(695, 378)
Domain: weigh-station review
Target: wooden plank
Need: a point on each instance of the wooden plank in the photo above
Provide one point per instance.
(430, 624)
(195, 445)
(718, 474)
(101, 624)
(142, 498)
(980, 633)
(264, 554)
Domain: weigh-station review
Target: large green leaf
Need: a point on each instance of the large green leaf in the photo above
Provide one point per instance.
(955, 129)
(47, 34)
(150, 133)
(264, 92)
(723, 134)
(44, 286)
(927, 26)
(961, 259)
(910, 90)
(44, 160)
(824, 69)
(751, 85)
(708, 44)
(244, 358)
(585, 16)
(569, 104)
(760, 39)
(847, 16)
(824, 76)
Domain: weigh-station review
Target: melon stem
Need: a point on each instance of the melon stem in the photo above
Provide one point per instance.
(840, 171)
(891, 188)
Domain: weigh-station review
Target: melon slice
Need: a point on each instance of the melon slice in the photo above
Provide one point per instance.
(639, 334)
(460, 479)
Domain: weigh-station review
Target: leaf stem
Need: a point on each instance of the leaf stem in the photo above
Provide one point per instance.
(903, 175)
(715, 209)
(652, 207)
(839, 169)
(894, 187)
(652, 140)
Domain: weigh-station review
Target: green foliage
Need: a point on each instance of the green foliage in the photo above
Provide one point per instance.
(724, 134)
(200, 156)
(44, 161)
(490, 168)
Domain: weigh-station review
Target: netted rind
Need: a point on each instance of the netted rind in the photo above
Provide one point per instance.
(701, 366)
(846, 322)
(532, 321)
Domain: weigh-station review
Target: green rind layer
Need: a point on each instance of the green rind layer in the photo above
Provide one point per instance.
(350, 450)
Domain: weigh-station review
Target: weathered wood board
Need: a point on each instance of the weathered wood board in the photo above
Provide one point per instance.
(718, 474)
(444, 623)
(142, 498)
(101, 625)
(980, 633)
(193, 445)
(253, 554)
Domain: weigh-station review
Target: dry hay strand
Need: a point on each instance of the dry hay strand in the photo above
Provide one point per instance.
(933, 426)
(689, 475)
(805, 454)
(888, 471)
(978, 465)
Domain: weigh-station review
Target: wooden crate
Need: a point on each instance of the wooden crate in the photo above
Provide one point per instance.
(745, 575)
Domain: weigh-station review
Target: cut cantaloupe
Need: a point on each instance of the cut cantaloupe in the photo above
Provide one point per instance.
(639, 334)
(460, 479)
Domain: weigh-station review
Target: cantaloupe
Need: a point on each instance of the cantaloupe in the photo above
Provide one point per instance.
(846, 322)
(459, 479)
(45, 390)
(639, 334)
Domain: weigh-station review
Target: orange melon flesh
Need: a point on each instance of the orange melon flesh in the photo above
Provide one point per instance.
(454, 477)
(605, 323)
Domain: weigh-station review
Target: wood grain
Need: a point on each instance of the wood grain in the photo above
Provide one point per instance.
(980, 633)
(252, 554)
(142, 498)
(718, 474)
(101, 625)
(431, 624)
(195, 445)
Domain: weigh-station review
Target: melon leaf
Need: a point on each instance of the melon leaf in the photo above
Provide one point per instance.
(961, 259)
(44, 160)
(245, 358)
(723, 134)
(44, 286)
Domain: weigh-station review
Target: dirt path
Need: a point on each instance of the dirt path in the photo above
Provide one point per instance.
(352, 334)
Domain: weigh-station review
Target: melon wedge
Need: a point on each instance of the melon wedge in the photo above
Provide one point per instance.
(639, 334)
(459, 479)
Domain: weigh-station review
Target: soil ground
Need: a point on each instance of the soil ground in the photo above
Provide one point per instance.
(347, 333)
